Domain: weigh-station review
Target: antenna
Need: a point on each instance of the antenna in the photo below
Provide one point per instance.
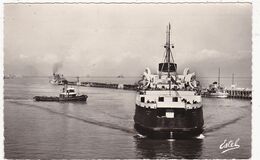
(233, 78)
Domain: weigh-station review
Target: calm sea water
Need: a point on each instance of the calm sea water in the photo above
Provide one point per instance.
(103, 127)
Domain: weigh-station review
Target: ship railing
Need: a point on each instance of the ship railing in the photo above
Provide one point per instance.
(162, 89)
(192, 106)
(149, 105)
(189, 104)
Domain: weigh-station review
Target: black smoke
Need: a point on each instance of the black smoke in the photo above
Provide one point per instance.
(56, 67)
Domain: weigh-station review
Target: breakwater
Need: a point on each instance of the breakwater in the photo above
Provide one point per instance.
(232, 93)
(107, 85)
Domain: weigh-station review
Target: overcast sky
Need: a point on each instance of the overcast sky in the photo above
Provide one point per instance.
(110, 40)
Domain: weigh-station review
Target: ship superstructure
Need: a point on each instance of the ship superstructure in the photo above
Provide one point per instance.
(168, 105)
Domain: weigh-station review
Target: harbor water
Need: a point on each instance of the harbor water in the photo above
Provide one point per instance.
(103, 127)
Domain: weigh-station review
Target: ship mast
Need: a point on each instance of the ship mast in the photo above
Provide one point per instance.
(168, 67)
(232, 79)
(168, 52)
(168, 48)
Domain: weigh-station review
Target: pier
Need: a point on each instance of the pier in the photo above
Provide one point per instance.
(240, 93)
(105, 85)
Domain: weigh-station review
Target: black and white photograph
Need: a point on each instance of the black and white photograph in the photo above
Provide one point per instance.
(127, 80)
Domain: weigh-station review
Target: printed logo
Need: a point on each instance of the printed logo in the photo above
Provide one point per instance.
(229, 145)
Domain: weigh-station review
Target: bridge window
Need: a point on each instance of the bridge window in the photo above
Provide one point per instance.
(175, 99)
(142, 99)
(161, 99)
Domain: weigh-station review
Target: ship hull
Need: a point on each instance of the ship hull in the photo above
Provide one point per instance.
(168, 133)
(185, 124)
(217, 95)
(82, 98)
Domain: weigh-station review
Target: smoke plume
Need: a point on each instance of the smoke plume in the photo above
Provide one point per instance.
(56, 67)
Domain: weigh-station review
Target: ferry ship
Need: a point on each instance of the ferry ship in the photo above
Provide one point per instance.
(168, 105)
(215, 90)
(57, 79)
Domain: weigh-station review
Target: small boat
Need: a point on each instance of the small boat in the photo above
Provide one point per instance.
(68, 94)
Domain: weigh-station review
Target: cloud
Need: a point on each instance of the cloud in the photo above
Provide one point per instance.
(209, 53)
(113, 39)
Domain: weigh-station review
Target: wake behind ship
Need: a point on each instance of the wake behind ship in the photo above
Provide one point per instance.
(169, 105)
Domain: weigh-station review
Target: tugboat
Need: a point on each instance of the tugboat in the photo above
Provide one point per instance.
(168, 105)
(215, 90)
(68, 94)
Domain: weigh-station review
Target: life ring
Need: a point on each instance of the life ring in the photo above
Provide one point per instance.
(147, 70)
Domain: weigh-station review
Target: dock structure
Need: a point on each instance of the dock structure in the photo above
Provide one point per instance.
(240, 93)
